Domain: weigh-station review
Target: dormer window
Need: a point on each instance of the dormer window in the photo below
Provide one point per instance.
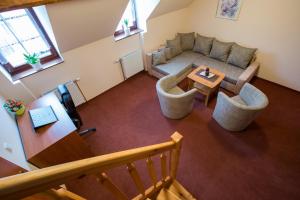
(128, 22)
(22, 33)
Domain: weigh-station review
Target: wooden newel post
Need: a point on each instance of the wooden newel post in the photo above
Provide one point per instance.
(175, 153)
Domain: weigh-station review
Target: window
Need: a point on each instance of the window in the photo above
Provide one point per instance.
(130, 15)
(21, 33)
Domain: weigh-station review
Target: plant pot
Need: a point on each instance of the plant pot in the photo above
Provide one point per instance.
(21, 111)
(127, 31)
(37, 66)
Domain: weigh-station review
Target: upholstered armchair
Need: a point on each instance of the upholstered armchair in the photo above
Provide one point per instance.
(174, 102)
(236, 113)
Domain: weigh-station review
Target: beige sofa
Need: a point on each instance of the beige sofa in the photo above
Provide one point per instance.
(183, 64)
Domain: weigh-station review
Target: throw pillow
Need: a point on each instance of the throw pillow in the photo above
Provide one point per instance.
(220, 50)
(175, 46)
(158, 57)
(240, 56)
(167, 52)
(187, 40)
(203, 44)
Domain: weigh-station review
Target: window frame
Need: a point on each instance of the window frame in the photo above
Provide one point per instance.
(54, 53)
(131, 28)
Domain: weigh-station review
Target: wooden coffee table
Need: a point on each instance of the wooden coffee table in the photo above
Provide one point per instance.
(205, 85)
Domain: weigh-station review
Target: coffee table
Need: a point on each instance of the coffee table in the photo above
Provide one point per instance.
(204, 85)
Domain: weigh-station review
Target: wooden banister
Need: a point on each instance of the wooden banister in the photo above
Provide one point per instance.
(22, 185)
(6, 5)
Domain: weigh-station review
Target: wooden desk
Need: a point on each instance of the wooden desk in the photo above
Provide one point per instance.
(9, 169)
(54, 143)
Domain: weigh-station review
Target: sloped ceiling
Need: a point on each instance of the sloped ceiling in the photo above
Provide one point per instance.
(79, 22)
(166, 6)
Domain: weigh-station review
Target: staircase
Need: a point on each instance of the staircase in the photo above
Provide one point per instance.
(39, 184)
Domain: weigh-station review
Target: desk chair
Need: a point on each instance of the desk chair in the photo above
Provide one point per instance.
(68, 103)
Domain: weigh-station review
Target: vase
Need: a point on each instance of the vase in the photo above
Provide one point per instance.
(21, 111)
(127, 31)
(37, 66)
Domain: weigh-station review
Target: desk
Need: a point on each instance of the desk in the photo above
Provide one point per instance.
(9, 169)
(52, 144)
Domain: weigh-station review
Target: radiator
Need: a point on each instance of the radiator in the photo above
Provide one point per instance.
(132, 63)
(75, 92)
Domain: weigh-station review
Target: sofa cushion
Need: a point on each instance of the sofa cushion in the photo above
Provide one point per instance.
(187, 40)
(203, 44)
(178, 65)
(175, 46)
(240, 56)
(158, 57)
(231, 72)
(220, 50)
(167, 52)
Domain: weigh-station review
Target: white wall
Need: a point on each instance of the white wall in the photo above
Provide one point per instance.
(272, 26)
(9, 135)
(164, 27)
(94, 63)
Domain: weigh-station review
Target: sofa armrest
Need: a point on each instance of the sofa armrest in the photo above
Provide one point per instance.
(246, 76)
(149, 62)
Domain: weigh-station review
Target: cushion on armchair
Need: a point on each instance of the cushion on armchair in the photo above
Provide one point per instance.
(203, 44)
(220, 50)
(187, 40)
(175, 46)
(240, 56)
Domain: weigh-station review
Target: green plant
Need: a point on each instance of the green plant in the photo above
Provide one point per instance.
(13, 105)
(32, 58)
(126, 22)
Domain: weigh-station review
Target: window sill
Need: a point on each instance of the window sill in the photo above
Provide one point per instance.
(123, 36)
(34, 71)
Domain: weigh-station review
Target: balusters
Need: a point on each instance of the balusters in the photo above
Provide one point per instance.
(105, 180)
(136, 178)
(163, 162)
(151, 171)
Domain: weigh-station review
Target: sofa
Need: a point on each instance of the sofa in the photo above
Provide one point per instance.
(237, 63)
(236, 113)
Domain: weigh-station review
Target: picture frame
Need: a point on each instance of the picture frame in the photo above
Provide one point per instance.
(229, 9)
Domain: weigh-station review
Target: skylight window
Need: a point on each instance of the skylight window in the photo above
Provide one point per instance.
(22, 33)
(129, 17)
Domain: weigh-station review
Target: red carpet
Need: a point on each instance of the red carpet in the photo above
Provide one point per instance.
(262, 162)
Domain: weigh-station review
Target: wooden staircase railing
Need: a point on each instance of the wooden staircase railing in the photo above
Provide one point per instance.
(6, 5)
(23, 185)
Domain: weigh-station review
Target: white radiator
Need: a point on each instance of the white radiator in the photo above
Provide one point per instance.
(132, 63)
(75, 92)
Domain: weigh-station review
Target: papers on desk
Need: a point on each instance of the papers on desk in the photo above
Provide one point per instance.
(42, 116)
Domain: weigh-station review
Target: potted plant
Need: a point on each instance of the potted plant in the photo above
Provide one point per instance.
(14, 106)
(33, 60)
(126, 29)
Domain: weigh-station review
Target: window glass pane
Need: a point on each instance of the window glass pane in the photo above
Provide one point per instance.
(23, 27)
(20, 35)
(37, 45)
(128, 14)
(14, 54)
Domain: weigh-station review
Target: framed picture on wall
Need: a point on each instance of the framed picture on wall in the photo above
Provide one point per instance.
(229, 9)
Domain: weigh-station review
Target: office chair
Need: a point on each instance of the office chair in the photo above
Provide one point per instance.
(69, 105)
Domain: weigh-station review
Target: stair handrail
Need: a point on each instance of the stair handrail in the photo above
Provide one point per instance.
(26, 184)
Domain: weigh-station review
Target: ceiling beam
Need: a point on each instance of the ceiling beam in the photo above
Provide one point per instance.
(6, 5)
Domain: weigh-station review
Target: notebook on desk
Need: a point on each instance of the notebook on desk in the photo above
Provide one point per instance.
(42, 116)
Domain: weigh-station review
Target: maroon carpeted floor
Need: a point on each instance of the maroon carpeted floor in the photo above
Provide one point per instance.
(262, 162)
